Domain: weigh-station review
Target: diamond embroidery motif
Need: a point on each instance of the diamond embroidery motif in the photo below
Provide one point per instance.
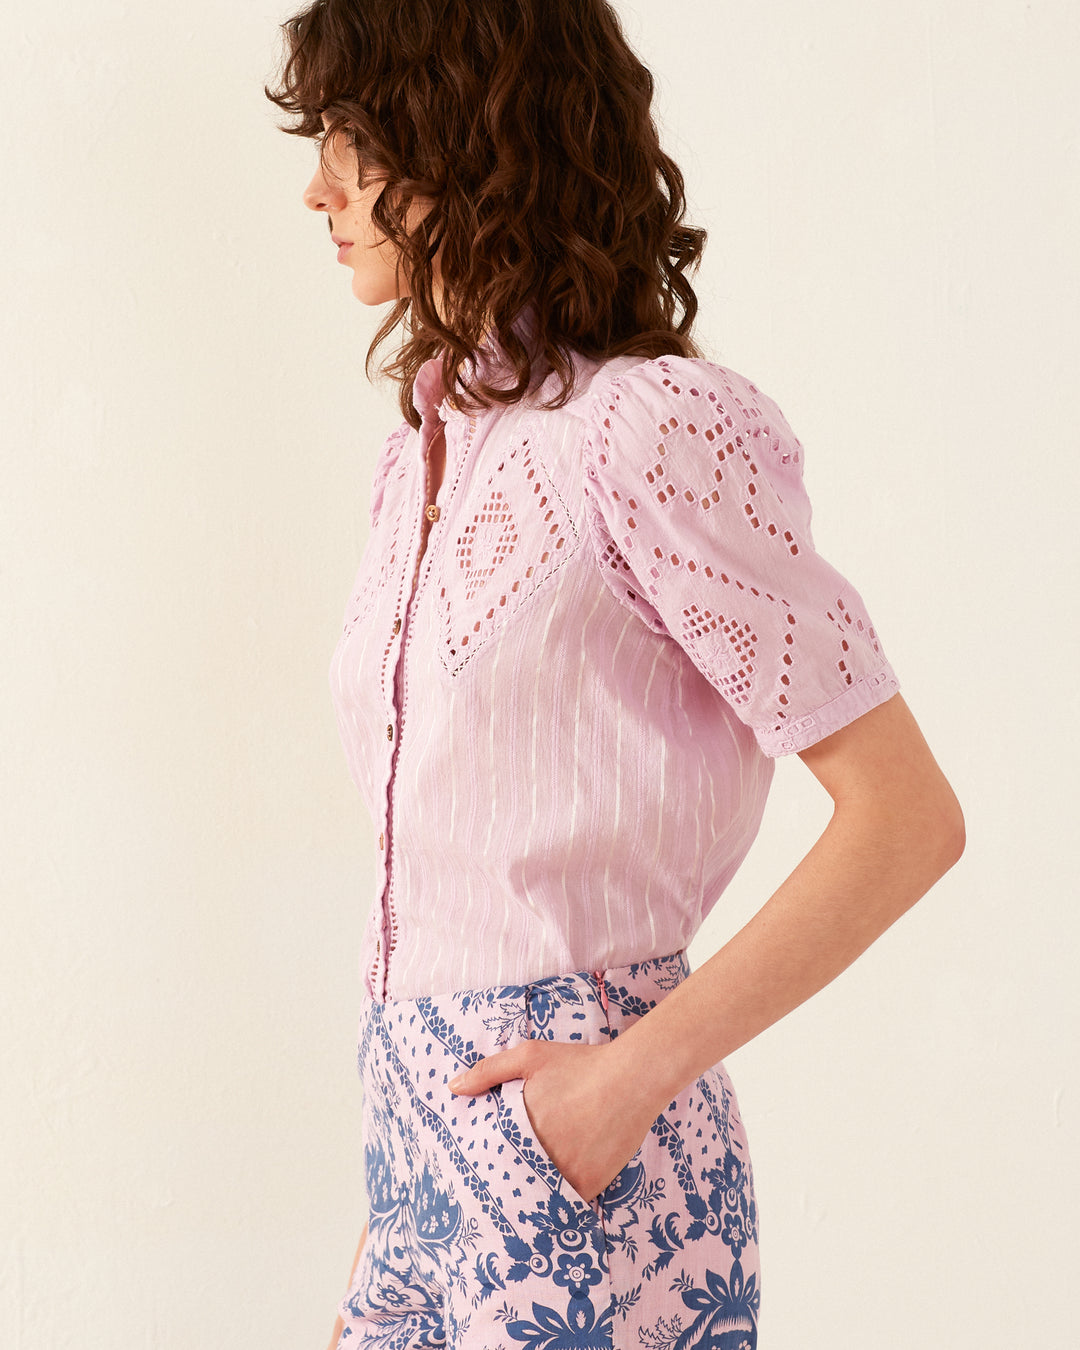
(488, 541)
(511, 542)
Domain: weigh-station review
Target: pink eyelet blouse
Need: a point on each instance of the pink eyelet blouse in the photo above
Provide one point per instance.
(564, 720)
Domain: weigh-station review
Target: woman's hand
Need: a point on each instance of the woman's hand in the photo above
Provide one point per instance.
(589, 1115)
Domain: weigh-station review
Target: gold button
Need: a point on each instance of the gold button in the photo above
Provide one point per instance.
(390, 733)
(432, 513)
(397, 627)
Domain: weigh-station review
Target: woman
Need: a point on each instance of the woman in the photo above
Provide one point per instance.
(588, 619)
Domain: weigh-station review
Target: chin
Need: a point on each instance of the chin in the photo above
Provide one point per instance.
(372, 290)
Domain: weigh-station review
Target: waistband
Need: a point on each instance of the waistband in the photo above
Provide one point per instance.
(596, 1003)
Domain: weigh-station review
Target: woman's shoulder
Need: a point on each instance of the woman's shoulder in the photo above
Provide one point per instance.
(689, 412)
(670, 383)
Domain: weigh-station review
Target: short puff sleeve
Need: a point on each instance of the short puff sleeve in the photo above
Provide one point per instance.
(700, 522)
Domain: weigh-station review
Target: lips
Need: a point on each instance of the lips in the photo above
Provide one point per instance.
(339, 241)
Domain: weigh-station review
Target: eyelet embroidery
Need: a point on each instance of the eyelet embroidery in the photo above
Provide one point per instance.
(494, 534)
(729, 463)
(516, 538)
(372, 577)
(488, 558)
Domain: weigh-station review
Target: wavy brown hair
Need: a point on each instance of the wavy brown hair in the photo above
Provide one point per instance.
(527, 126)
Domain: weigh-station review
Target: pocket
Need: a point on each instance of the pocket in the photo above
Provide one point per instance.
(528, 1145)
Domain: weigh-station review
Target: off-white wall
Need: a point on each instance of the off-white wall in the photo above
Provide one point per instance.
(188, 440)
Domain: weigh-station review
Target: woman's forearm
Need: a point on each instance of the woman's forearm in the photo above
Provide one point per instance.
(865, 870)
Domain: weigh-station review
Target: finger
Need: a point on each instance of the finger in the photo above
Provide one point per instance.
(486, 1072)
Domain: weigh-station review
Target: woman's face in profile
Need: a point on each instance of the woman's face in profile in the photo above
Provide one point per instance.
(336, 191)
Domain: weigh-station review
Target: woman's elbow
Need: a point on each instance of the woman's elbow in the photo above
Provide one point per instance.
(956, 830)
(939, 831)
(922, 833)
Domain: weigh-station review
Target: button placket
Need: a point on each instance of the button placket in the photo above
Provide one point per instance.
(401, 628)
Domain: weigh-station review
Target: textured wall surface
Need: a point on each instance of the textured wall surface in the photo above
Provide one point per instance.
(187, 443)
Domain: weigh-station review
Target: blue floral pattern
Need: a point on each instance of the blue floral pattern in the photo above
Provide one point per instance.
(476, 1240)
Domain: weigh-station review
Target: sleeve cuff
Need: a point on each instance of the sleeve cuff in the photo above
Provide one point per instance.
(867, 692)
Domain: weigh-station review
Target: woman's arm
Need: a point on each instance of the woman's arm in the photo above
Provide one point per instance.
(896, 828)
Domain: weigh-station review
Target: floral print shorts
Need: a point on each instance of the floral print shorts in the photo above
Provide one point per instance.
(475, 1239)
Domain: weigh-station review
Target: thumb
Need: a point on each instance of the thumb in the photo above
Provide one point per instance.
(486, 1072)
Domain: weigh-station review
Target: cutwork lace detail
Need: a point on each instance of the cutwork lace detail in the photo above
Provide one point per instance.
(494, 534)
(388, 463)
(725, 453)
(517, 537)
(380, 563)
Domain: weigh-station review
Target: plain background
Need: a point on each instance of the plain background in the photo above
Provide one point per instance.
(188, 443)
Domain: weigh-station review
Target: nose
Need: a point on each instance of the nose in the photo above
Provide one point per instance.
(322, 194)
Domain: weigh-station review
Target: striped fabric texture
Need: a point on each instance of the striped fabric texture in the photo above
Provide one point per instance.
(563, 713)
